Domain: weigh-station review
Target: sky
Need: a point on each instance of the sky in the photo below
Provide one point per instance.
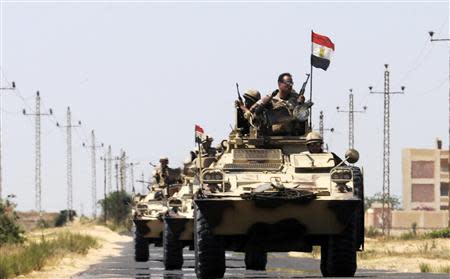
(142, 74)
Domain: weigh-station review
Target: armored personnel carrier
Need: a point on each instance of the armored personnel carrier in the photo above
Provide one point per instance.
(268, 193)
(179, 218)
(147, 215)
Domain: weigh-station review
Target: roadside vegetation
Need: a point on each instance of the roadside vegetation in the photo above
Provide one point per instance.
(116, 210)
(21, 259)
(22, 253)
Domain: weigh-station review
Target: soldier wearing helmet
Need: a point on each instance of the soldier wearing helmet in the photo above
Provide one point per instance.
(314, 142)
(251, 96)
(164, 175)
(283, 111)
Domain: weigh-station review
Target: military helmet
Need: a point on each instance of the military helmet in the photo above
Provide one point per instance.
(164, 159)
(313, 137)
(253, 95)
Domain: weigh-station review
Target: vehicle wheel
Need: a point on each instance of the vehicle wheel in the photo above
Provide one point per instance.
(323, 259)
(255, 260)
(141, 251)
(358, 184)
(173, 249)
(341, 256)
(209, 251)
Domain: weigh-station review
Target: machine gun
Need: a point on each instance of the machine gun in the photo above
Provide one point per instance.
(238, 93)
(301, 93)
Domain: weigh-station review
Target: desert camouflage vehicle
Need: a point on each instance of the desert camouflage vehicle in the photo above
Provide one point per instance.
(178, 227)
(147, 214)
(269, 194)
(179, 218)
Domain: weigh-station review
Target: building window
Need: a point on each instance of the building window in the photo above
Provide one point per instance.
(422, 193)
(444, 189)
(422, 169)
(444, 207)
(444, 165)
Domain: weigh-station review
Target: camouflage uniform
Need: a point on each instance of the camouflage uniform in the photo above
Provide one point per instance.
(277, 115)
(164, 175)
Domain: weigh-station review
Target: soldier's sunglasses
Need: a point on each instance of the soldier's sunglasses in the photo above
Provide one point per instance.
(288, 82)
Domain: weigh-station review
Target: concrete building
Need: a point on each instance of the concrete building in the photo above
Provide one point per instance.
(425, 192)
(425, 178)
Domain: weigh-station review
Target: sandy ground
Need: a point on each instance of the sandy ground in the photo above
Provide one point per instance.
(75, 263)
(400, 255)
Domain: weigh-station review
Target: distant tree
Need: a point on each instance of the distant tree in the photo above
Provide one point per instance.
(10, 231)
(117, 207)
(64, 216)
(378, 197)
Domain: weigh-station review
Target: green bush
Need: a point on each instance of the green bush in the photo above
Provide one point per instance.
(10, 231)
(444, 233)
(117, 208)
(64, 216)
(372, 232)
(424, 267)
(17, 260)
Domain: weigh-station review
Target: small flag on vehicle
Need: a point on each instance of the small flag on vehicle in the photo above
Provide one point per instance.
(199, 134)
(322, 49)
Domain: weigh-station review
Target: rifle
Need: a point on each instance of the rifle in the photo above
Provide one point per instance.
(302, 90)
(238, 93)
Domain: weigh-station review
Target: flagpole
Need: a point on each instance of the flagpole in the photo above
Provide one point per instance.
(311, 83)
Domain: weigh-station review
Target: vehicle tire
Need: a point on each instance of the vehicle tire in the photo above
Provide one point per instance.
(173, 249)
(141, 249)
(209, 250)
(358, 184)
(323, 259)
(341, 254)
(256, 260)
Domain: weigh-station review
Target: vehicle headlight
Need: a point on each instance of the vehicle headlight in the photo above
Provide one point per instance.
(175, 203)
(341, 176)
(212, 177)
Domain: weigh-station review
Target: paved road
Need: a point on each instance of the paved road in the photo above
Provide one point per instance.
(280, 265)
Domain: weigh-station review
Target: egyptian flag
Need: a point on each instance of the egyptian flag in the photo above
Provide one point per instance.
(199, 134)
(322, 49)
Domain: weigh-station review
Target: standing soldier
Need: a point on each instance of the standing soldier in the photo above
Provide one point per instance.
(251, 96)
(165, 176)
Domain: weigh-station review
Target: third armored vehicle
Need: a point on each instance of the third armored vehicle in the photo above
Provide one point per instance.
(268, 193)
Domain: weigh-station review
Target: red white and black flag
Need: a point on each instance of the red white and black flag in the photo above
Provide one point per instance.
(322, 49)
(199, 134)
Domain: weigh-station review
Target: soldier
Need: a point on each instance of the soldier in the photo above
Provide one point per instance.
(251, 96)
(281, 109)
(314, 142)
(164, 175)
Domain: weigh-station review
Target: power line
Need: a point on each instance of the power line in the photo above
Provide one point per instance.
(386, 210)
(93, 147)
(69, 127)
(3, 89)
(431, 33)
(38, 182)
(351, 119)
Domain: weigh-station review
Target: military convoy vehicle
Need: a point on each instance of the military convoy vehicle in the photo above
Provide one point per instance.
(178, 227)
(147, 214)
(268, 193)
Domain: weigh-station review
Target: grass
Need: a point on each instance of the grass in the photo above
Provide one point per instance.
(426, 268)
(21, 259)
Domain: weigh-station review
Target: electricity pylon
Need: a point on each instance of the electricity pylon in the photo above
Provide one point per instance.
(386, 210)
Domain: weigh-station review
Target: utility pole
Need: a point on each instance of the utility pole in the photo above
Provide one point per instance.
(93, 147)
(37, 170)
(142, 183)
(109, 158)
(2, 89)
(321, 126)
(431, 33)
(132, 165)
(351, 120)
(122, 170)
(105, 205)
(386, 210)
(69, 127)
